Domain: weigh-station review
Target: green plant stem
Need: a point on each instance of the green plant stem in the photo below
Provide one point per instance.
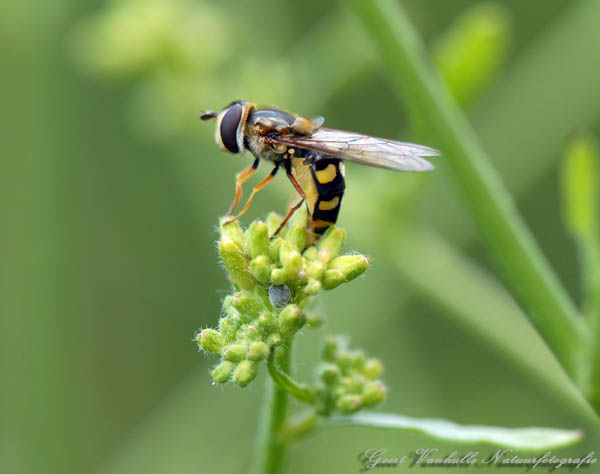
(590, 262)
(271, 448)
(525, 268)
(284, 381)
(590, 251)
(449, 280)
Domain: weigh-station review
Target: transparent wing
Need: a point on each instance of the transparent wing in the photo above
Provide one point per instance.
(371, 151)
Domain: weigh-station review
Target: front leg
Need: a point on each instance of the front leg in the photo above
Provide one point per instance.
(256, 189)
(240, 178)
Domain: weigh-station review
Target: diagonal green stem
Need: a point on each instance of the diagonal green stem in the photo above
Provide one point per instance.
(284, 381)
(524, 266)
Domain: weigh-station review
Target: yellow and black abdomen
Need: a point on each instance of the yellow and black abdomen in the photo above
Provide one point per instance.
(322, 180)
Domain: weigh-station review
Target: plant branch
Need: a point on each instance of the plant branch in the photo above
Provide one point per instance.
(525, 268)
(284, 381)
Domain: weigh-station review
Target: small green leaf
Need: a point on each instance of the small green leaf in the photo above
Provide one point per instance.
(519, 438)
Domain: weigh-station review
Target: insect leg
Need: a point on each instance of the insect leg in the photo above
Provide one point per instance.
(240, 178)
(293, 209)
(256, 189)
(290, 203)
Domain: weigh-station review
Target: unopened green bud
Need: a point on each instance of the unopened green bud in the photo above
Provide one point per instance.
(236, 263)
(311, 253)
(353, 384)
(331, 242)
(260, 268)
(358, 359)
(249, 305)
(331, 348)
(210, 340)
(228, 328)
(349, 403)
(301, 218)
(343, 269)
(273, 222)
(290, 258)
(291, 319)
(256, 239)
(338, 391)
(235, 352)
(266, 322)
(373, 368)
(274, 247)
(330, 374)
(228, 303)
(373, 393)
(314, 319)
(332, 278)
(301, 277)
(312, 287)
(245, 372)
(258, 351)
(278, 276)
(315, 270)
(344, 360)
(222, 372)
(297, 236)
(274, 340)
(351, 265)
(232, 230)
(249, 332)
(229, 310)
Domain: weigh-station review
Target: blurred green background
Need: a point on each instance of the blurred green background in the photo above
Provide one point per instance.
(111, 188)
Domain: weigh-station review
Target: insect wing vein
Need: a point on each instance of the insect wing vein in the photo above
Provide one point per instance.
(364, 149)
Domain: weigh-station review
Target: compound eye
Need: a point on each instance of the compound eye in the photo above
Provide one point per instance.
(230, 124)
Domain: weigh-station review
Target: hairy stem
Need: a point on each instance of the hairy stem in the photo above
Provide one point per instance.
(525, 268)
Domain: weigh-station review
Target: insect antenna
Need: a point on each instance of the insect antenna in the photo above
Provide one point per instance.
(209, 114)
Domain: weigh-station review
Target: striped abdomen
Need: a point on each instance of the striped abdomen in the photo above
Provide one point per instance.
(322, 180)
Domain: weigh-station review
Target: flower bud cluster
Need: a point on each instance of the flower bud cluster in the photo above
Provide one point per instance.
(350, 379)
(274, 280)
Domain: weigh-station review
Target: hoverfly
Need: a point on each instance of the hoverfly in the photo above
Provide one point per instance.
(310, 154)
